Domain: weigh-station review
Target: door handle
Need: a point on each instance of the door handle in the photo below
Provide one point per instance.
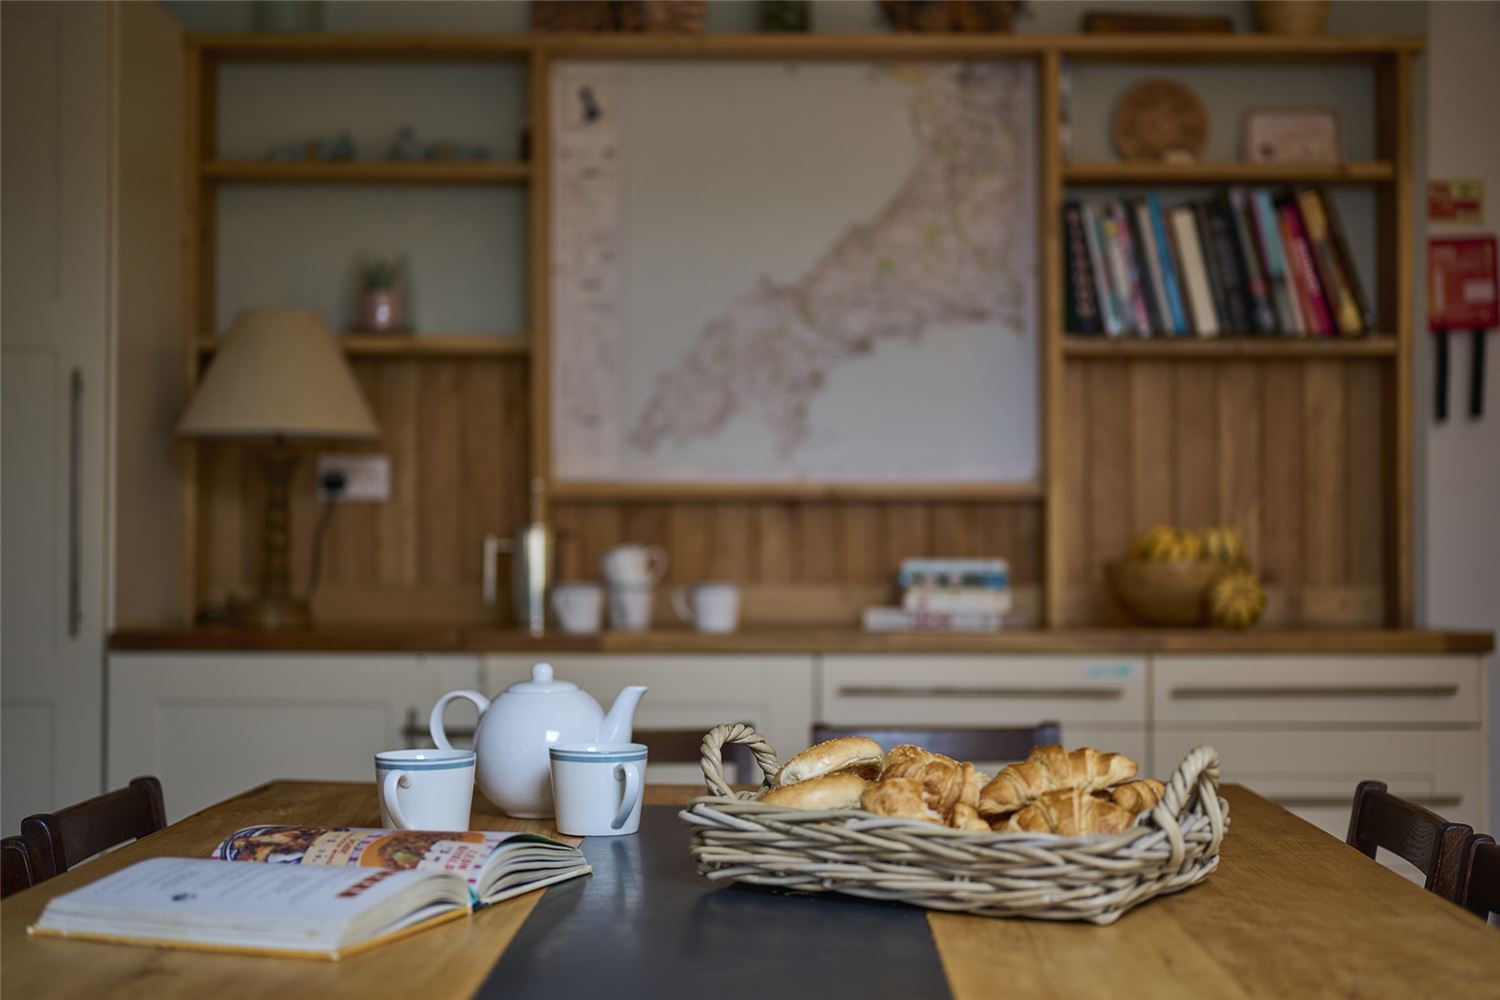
(1096, 693)
(1334, 691)
(75, 506)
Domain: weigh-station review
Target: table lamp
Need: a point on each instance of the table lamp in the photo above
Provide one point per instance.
(278, 376)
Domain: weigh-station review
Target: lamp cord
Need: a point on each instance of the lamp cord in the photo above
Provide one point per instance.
(333, 485)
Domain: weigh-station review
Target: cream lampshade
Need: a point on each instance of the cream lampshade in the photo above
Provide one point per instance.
(278, 375)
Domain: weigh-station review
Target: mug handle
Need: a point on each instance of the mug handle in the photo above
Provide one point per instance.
(388, 797)
(632, 792)
(680, 605)
(658, 563)
(435, 720)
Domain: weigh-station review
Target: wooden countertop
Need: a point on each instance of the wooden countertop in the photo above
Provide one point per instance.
(470, 639)
(1291, 911)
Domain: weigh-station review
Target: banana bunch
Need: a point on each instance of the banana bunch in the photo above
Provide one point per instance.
(1167, 544)
(1236, 599)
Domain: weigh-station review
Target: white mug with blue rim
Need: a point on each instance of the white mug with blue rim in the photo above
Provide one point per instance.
(425, 789)
(596, 787)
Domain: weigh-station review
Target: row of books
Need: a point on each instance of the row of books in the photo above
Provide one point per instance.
(1246, 261)
(947, 595)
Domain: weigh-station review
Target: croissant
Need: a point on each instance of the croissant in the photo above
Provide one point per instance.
(900, 798)
(1069, 812)
(946, 781)
(965, 817)
(1051, 768)
(1138, 796)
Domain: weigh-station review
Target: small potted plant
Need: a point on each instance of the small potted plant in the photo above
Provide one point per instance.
(379, 301)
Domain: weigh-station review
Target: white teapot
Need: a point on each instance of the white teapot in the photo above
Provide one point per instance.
(515, 730)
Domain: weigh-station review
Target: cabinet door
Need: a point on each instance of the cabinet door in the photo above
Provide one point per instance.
(212, 726)
(774, 693)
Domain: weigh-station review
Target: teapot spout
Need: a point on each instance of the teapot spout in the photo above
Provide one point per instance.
(616, 725)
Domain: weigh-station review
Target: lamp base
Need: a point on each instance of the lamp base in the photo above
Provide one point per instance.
(273, 614)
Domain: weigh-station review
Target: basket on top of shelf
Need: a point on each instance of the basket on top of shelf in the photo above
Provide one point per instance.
(1043, 876)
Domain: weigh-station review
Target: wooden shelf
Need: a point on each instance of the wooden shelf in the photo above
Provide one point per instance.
(1377, 172)
(1246, 348)
(367, 172)
(455, 345)
(700, 492)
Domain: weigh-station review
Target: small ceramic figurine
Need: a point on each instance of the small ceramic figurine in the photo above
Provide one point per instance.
(379, 300)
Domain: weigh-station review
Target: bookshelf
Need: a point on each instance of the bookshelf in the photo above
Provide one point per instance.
(1133, 431)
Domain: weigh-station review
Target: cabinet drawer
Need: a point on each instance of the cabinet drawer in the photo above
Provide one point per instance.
(1313, 774)
(1314, 689)
(1102, 692)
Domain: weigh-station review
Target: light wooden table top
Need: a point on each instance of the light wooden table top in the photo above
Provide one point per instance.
(1291, 912)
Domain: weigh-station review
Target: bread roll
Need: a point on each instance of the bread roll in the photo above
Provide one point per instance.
(1138, 796)
(946, 781)
(900, 798)
(1069, 812)
(852, 754)
(1049, 769)
(831, 791)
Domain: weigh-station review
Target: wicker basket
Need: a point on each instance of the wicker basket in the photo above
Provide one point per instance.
(1165, 593)
(1096, 878)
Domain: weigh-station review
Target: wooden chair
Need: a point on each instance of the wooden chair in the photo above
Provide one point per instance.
(1479, 877)
(684, 746)
(960, 744)
(60, 840)
(18, 869)
(1419, 835)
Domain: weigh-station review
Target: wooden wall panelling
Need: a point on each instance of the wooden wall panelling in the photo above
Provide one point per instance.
(1053, 415)
(1282, 545)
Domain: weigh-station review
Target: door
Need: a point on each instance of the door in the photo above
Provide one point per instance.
(53, 363)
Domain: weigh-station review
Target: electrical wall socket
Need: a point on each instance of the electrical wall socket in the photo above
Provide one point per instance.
(367, 478)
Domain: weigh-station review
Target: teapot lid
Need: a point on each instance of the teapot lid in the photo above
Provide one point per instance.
(541, 682)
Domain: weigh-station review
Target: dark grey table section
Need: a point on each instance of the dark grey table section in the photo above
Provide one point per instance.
(647, 925)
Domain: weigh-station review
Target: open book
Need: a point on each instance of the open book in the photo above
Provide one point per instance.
(323, 893)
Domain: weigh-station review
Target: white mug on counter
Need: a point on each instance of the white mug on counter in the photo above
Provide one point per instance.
(425, 789)
(708, 607)
(633, 564)
(630, 606)
(597, 787)
(579, 607)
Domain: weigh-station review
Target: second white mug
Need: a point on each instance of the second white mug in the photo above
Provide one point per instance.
(630, 607)
(708, 607)
(579, 607)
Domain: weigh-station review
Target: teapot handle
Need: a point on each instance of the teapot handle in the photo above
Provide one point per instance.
(435, 721)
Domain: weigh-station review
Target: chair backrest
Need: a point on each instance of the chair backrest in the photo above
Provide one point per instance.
(18, 869)
(1409, 831)
(997, 745)
(60, 840)
(1479, 877)
(685, 746)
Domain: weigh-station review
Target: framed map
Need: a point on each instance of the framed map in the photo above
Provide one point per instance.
(772, 273)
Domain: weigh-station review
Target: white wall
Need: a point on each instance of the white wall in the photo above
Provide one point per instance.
(1462, 555)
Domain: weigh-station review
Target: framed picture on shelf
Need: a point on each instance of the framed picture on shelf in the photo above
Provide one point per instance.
(1292, 135)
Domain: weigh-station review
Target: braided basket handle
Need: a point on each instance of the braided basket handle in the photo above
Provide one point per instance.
(1197, 774)
(713, 756)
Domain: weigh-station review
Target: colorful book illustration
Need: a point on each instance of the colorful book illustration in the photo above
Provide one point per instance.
(1258, 290)
(1304, 268)
(1283, 295)
(1109, 304)
(1184, 229)
(1346, 312)
(1170, 283)
(1082, 303)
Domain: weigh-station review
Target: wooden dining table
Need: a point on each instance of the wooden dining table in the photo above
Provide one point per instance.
(1291, 912)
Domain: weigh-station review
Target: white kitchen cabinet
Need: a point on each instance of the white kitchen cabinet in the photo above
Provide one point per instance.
(211, 725)
(774, 693)
(1099, 701)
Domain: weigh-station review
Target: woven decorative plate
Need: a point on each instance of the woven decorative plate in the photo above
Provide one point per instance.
(1096, 878)
(1160, 120)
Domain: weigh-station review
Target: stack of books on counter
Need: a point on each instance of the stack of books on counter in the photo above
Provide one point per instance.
(947, 595)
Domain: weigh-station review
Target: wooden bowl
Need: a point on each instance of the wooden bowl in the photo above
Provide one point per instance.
(1164, 593)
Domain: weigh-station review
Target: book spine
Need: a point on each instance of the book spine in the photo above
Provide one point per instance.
(897, 620)
(1169, 279)
(994, 601)
(1211, 267)
(1194, 272)
(955, 566)
(1109, 310)
(1346, 263)
(1283, 296)
(1224, 246)
(1119, 274)
(1139, 312)
(1082, 306)
(1341, 300)
(1145, 244)
(1304, 270)
(1262, 315)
